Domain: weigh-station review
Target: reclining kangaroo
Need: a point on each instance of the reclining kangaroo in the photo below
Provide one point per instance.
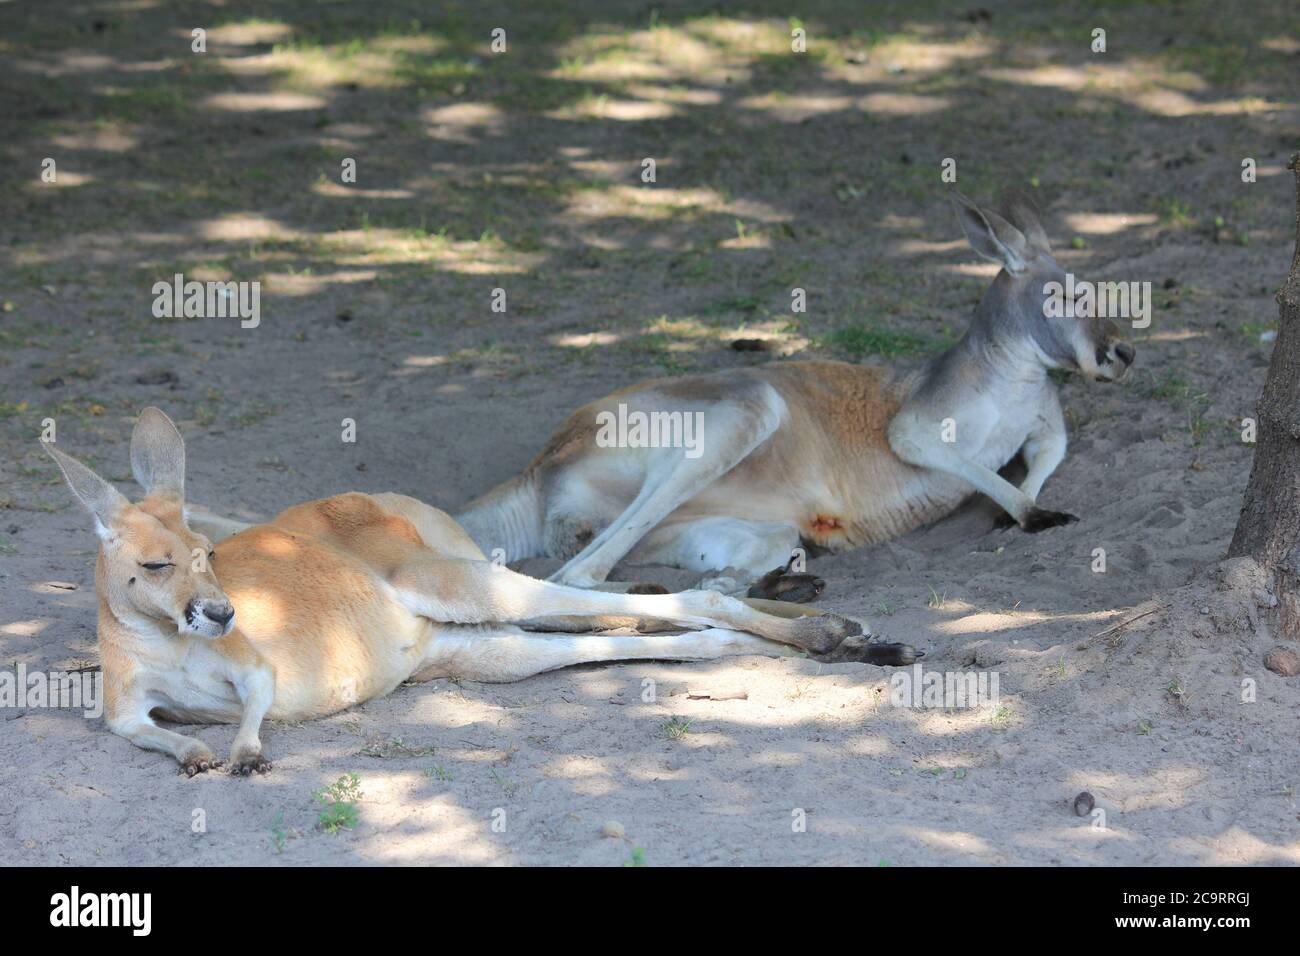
(342, 599)
(830, 454)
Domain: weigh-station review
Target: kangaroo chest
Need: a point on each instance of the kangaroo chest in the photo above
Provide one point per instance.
(1007, 423)
(194, 686)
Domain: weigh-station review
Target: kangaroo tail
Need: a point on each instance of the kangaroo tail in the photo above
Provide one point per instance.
(508, 517)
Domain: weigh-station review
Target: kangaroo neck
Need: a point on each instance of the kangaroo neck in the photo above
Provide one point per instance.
(984, 357)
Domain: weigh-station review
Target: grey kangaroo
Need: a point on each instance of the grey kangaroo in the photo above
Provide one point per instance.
(829, 454)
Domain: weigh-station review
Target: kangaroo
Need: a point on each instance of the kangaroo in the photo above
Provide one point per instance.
(828, 454)
(337, 601)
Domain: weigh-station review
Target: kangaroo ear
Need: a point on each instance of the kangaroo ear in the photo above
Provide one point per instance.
(100, 498)
(1020, 210)
(158, 454)
(992, 236)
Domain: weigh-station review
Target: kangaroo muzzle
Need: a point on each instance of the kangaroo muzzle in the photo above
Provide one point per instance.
(209, 617)
(1114, 356)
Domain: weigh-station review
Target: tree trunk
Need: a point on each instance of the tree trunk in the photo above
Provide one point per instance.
(1268, 529)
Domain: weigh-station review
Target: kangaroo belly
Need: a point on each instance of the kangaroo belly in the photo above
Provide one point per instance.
(834, 505)
(829, 470)
(328, 625)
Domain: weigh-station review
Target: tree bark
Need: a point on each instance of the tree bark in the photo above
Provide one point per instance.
(1268, 529)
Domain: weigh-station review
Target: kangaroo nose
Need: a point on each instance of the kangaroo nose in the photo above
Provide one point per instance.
(1126, 352)
(220, 613)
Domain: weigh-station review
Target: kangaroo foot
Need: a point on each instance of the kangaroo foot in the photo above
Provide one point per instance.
(885, 655)
(1036, 520)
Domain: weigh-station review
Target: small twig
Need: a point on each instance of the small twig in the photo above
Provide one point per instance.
(1122, 624)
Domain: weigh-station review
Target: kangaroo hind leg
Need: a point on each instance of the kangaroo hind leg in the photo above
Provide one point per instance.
(732, 429)
(499, 653)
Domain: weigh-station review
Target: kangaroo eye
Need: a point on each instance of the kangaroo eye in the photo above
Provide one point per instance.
(156, 565)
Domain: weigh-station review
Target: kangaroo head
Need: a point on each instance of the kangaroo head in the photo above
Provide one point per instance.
(1024, 303)
(152, 568)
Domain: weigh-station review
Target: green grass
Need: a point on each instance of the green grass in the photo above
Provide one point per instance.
(675, 728)
(860, 340)
(394, 747)
(279, 833)
(637, 858)
(1000, 719)
(339, 804)
(1172, 387)
(1174, 212)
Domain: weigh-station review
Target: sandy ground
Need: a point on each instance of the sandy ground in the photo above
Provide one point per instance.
(449, 399)
(1207, 779)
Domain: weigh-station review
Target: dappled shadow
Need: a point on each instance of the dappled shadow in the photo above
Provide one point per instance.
(523, 168)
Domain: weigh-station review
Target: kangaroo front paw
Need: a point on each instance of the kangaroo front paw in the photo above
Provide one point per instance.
(198, 760)
(1039, 519)
(779, 585)
(246, 762)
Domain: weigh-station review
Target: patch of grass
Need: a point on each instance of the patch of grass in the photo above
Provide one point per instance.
(1172, 387)
(279, 834)
(1197, 426)
(1174, 212)
(339, 804)
(859, 340)
(144, 102)
(394, 747)
(1177, 692)
(637, 858)
(659, 348)
(675, 728)
(694, 266)
(1223, 64)
(1253, 330)
(509, 787)
(254, 413)
(735, 303)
